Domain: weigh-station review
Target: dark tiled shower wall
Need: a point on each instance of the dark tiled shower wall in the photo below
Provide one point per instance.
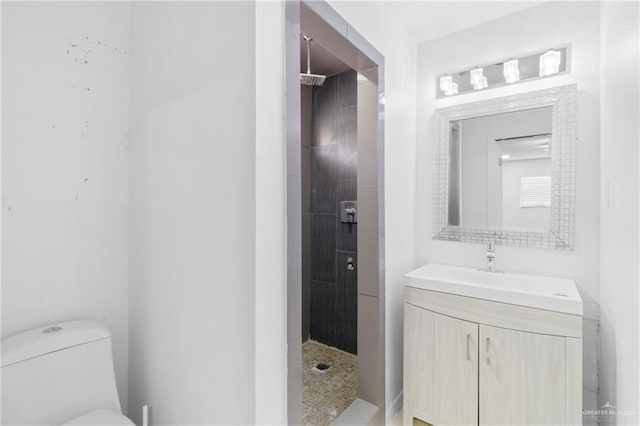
(332, 176)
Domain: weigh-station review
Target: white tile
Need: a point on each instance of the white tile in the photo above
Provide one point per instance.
(368, 241)
(360, 412)
(369, 381)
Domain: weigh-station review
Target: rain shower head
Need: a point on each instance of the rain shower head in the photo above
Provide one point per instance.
(312, 79)
(308, 78)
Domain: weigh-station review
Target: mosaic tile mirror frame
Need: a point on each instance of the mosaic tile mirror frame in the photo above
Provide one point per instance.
(559, 234)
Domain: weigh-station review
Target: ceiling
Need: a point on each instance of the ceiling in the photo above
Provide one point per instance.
(426, 20)
(342, 56)
(322, 61)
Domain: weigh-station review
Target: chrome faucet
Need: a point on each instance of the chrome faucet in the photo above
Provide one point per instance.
(491, 256)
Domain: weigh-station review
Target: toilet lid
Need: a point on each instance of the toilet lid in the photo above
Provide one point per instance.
(100, 417)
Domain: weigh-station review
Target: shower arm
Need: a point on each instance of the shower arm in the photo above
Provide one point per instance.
(308, 54)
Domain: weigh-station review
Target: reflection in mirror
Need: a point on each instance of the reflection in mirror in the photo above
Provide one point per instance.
(500, 170)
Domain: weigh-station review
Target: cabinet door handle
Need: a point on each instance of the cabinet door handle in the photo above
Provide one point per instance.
(468, 339)
(488, 341)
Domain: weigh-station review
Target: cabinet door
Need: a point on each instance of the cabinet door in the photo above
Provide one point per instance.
(441, 357)
(522, 378)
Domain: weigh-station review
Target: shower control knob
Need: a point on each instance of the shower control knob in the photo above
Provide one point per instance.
(350, 265)
(349, 212)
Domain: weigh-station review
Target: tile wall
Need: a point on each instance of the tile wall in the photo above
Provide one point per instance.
(329, 162)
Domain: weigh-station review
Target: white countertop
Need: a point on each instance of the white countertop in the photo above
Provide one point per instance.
(534, 291)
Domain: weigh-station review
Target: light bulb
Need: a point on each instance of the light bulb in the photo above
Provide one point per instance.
(446, 81)
(511, 71)
(482, 84)
(453, 90)
(550, 63)
(475, 77)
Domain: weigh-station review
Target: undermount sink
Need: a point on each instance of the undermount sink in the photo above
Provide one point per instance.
(534, 291)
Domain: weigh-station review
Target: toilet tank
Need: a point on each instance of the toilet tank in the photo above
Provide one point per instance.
(56, 373)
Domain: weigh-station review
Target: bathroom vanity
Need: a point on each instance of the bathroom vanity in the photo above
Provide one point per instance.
(483, 347)
(487, 348)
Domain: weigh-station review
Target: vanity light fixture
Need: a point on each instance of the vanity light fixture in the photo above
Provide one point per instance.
(511, 71)
(508, 70)
(477, 79)
(550, 62)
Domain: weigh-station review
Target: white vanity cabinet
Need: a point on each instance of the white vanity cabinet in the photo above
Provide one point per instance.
(469, 361)
(442, 357)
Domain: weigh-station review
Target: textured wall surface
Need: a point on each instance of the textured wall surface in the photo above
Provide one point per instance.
(333, 178)
(65, 123)
(306, 100)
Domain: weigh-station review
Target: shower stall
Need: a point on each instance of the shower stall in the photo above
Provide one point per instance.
(341, 312)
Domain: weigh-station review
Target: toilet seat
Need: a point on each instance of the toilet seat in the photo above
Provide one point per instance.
(100, 417)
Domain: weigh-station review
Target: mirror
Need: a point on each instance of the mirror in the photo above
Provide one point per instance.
(500, 170)
(505, 170)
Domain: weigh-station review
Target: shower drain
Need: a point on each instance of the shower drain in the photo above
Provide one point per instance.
(321, 367)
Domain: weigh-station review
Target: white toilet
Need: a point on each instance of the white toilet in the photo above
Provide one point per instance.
(60, 375)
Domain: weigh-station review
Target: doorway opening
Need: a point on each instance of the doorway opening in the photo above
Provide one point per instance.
(335, 286)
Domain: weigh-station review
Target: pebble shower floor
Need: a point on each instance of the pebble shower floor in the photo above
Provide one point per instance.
(325, 395)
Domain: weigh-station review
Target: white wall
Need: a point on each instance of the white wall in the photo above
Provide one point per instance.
(619, 278)
(270, 300)
(65, 117)
(530, 30)
(192, 212)
(376, 24)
